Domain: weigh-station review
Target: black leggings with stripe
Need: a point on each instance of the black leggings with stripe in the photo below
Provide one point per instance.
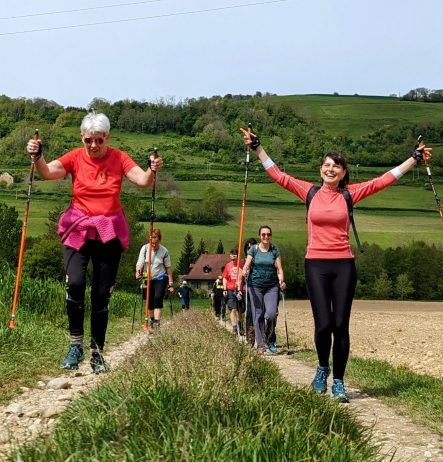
(331, 287)
(105, 261)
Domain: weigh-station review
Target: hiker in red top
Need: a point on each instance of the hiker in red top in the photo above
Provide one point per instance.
(93, 228)
(329, 263)
(234, 297)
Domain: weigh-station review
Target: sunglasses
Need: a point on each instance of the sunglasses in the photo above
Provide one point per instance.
(91, 140)
(266, 234)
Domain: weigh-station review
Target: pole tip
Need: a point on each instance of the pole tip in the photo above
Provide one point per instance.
(145, 326)
(12, 324)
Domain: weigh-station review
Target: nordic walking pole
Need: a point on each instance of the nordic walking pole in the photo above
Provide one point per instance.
(420, 143)
(23, 237)
(286, 322)
(170, 304)
(243, 211)
(135, 307)
(151, 227)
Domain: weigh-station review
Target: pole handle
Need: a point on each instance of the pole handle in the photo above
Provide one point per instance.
(154, 155)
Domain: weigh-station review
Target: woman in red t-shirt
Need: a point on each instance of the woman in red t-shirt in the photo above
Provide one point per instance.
(93, 228)
(329, 263)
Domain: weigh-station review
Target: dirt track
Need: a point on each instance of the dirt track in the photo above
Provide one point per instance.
(402, 333)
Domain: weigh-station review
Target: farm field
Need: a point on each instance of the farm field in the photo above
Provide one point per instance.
(403, 333)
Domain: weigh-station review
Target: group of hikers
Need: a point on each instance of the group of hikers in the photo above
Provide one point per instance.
(94, 228)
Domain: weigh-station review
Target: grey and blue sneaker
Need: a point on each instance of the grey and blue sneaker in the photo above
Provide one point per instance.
(339, 391)
(74, 356)
(320, 382)
(272, 348)
(98, 363)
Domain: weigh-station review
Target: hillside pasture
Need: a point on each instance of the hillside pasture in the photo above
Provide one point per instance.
(355, 116)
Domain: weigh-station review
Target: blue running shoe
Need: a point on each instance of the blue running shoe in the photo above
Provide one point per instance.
(320, 382)
(74, 356)
(272, 348)
(339, 392)
(98, 363)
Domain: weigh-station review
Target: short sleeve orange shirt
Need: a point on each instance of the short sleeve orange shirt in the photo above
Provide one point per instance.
(96, 183)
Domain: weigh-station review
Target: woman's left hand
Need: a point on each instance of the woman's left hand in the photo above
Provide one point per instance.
(282, 285)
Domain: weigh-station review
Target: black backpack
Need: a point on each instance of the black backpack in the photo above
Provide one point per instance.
(347, 195)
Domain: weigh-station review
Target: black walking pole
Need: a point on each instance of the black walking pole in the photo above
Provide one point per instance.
(151, 227)
(420, 143)
(135, 306)
(170, 304)
(286, 322)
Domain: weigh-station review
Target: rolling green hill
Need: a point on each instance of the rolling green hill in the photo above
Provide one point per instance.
(355, 116)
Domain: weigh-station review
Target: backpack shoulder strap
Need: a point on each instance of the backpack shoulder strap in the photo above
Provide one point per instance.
(254, 250)
(311, 193)
(348, 199)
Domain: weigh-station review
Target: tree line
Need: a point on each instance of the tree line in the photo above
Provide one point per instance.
(207, 127)
(424, 95)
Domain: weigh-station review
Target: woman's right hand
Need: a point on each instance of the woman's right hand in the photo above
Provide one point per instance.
(33, 147)
(138, 273)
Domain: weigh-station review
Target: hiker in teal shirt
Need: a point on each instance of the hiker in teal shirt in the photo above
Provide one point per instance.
(265, 279)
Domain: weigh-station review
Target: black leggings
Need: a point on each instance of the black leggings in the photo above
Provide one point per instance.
(105, 260)
(157, 291)
(331, 287)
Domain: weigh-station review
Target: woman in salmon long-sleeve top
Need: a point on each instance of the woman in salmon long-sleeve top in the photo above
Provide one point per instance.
(329, 263)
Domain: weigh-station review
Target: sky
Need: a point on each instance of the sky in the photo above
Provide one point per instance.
(178, 49)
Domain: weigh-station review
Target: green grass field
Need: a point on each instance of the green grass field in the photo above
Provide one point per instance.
(396, 216)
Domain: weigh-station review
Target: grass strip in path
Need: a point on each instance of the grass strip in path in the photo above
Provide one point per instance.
(196, 394)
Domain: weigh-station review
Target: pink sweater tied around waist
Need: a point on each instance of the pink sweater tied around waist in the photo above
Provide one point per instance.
(74, 227)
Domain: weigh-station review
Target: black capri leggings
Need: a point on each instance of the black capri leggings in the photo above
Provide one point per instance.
(105, 261)
(331, 287)
(157, 291)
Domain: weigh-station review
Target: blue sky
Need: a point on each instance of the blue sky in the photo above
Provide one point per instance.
(372, 47)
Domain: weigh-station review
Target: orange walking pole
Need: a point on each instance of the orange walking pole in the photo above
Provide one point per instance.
(151, 227)
(243, 212)
(22, 241)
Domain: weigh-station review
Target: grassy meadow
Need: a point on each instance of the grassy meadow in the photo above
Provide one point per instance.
(396, 216)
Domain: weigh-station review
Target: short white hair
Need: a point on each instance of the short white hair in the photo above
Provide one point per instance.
(95, 123)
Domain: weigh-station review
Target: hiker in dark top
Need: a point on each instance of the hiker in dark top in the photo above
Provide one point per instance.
(184, 294)
(217, 296)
